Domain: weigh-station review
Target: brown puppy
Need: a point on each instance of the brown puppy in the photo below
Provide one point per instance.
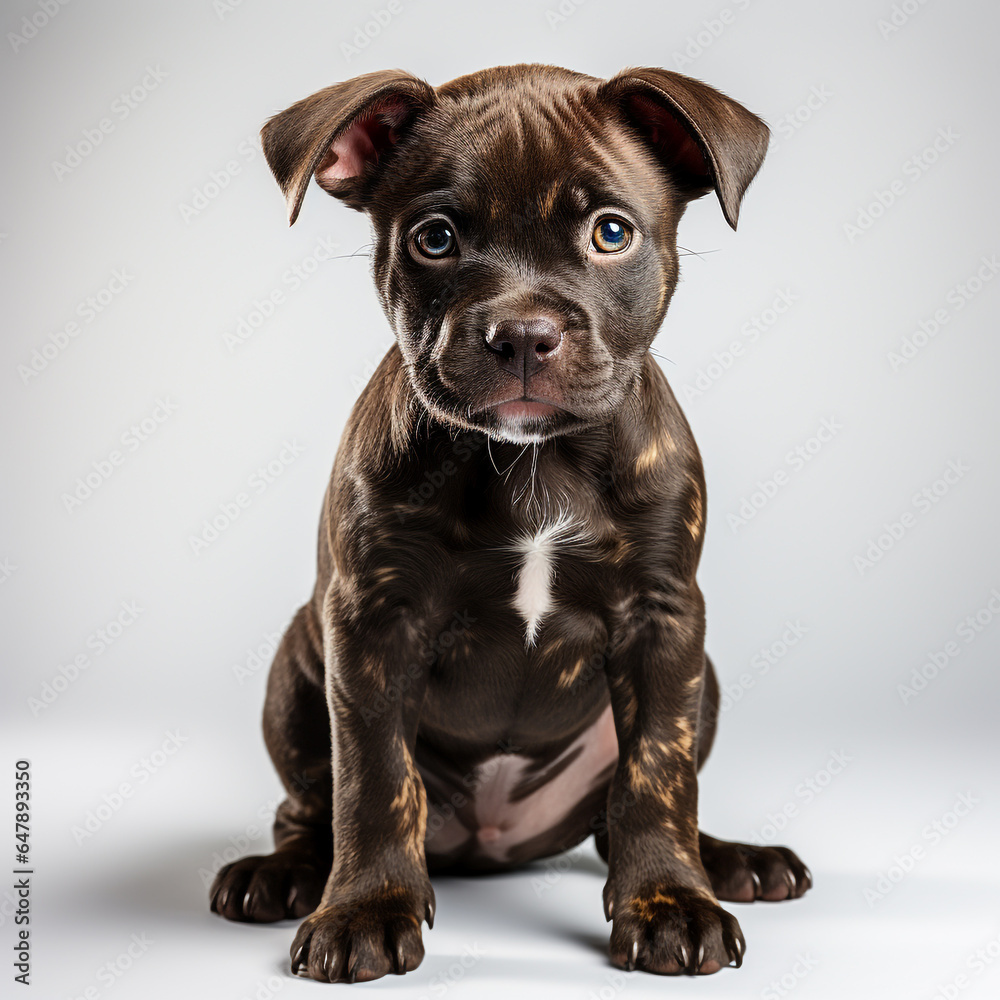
(506, 635)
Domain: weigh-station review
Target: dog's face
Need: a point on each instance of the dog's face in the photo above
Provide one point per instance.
(525, 221)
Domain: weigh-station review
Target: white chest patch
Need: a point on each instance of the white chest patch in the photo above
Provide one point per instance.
(533, 599)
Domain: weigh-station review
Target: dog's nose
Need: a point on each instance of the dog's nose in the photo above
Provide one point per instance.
(522, 345)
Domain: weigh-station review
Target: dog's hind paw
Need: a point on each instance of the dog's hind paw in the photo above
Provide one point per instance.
(742, 873)
(263, 888)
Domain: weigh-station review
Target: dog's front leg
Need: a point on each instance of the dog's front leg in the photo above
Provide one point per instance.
(666, 917)
(378, 893)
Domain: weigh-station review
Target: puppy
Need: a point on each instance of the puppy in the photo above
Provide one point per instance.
(504, 651)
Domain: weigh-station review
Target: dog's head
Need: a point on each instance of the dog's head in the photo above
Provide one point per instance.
(525, 221)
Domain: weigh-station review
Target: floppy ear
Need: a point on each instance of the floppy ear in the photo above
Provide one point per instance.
(342, 134)
(704, 138)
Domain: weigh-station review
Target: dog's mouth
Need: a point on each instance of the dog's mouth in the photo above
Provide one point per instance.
(525, 408)
(524, 417)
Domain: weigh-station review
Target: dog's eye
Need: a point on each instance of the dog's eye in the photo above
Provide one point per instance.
(611, 235)
(435, 240)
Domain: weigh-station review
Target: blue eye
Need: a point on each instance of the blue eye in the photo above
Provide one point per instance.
(611, 235)
(435, 240)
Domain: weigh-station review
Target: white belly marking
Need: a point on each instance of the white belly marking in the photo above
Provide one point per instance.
(496, 825)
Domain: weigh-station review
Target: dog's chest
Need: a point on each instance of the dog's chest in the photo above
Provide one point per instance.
(538, 553)
(536, 599)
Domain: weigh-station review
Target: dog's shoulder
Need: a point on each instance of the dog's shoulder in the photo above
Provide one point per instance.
(384, 419)
(653, 442)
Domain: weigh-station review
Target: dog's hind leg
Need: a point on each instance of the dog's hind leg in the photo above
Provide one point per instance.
(289, 882)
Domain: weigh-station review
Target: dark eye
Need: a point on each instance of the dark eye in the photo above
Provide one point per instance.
(611, 235)
(435, 240)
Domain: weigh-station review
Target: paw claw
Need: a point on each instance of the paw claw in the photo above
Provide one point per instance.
(297, 959)
(361, 939)
(264, 888)
(738, 948)
(743, 872)
(670, 930)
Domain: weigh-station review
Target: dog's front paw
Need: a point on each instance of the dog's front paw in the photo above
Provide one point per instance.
(357, 940)
(671, 931)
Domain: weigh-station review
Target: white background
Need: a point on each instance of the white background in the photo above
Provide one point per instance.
(880, 98)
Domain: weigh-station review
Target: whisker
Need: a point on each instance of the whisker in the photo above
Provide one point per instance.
(695, 253)
(662, 357)
(510, 468)
(490, 453)
(357, 253)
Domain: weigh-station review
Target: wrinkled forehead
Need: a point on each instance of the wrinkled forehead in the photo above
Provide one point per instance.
(503, 155)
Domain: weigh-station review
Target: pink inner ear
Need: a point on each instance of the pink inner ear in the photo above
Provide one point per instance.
(670, 137)
(352, 151)
(362, 142)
